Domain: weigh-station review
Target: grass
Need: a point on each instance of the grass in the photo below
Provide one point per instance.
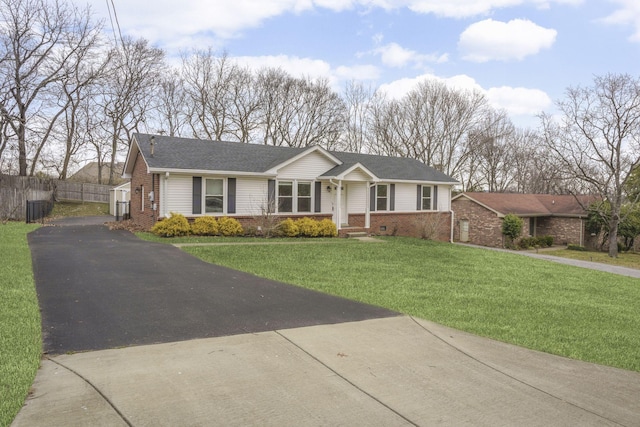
(68, 208)
(20, 334)
(569, 311)
(625, 259)
(150, 237)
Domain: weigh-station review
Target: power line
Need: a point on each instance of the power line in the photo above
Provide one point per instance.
(111, 18)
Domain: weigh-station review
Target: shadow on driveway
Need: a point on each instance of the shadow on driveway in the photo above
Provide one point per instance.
(101, 289)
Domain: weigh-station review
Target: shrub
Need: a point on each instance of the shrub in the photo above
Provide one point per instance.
(308, 227)
(532, 242)
(573, 247)
(288, 228)
(546, 241)
(229, 226)
(175, 225)
(326, 228)
(205, 226)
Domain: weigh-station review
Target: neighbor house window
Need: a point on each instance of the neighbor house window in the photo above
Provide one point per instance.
(426, 198)
(382, 197)
(304, 197)
(285, 196)
(214, 196)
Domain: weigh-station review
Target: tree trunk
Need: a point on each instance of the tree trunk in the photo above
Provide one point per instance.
(613, 234)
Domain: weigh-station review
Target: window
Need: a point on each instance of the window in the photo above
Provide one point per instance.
(382, 197)
(285, 196)
(304, 197)
(426, 198)
(214, 196)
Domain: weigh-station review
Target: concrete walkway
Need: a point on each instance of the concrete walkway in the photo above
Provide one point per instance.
(381, 372)
(623, 271)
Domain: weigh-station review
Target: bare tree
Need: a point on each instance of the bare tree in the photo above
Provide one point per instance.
(358, 101)
(207, 81)
(597, 140)
(170, 112)
(430, 124)
(126, 93)
(298, 112)
(42, 43)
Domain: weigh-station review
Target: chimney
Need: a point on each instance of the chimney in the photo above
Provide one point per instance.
(152, 143)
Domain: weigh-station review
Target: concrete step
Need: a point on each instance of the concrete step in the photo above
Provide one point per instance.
(357, 234)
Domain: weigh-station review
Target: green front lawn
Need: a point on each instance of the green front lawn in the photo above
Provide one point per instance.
(20, 336)
(564, 310)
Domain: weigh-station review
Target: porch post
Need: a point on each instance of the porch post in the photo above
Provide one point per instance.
(339, 206)
(367, 211)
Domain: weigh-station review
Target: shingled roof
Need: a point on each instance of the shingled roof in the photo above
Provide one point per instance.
(172, 153)
(528, 205)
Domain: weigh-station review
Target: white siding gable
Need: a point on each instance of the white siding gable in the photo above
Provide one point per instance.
(357, 175)
(308, 167)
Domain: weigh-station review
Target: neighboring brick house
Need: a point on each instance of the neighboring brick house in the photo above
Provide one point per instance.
(358, 192)
(478, 217)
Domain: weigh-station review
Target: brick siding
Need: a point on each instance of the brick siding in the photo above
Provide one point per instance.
(485, 227)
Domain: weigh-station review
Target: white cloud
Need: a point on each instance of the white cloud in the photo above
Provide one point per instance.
(396, 56)
(519, 101)
(312, 68)
(503, 41)
(522, 104)
(469, 8)
(628, 13)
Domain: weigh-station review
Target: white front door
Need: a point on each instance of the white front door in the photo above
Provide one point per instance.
(344, 212)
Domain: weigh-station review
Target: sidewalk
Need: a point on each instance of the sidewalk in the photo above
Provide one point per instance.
(623, 271)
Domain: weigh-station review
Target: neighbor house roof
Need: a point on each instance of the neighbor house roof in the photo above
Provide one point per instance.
(186, 154)
(528, 205)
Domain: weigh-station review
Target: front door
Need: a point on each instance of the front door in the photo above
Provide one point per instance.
(344, 212)
(464, 230)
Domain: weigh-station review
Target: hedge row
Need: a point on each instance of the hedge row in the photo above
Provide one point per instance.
(533, 242)
(178, 225)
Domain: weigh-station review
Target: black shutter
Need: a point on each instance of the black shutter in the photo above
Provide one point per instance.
(197, 195)
(419, 201)
(317, 197)
(392, 197)
(435, 198)
(271, 196)
(231, 195)
(372, 198)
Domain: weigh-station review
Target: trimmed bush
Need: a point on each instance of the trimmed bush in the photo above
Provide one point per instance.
(326, 228)
(205, 226)
(532, 242)
(308, 227)
(175, 225)
(229, 226)
(288, 228)
(573, 247)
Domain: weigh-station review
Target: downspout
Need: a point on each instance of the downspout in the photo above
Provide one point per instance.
(452, 224)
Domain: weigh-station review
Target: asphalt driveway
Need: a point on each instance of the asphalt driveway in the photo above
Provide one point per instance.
(101, 289)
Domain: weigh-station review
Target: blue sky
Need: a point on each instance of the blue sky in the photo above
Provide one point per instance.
(522, 54)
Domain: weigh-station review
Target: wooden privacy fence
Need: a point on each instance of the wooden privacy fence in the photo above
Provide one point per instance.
(16, 190)
(66, 190)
